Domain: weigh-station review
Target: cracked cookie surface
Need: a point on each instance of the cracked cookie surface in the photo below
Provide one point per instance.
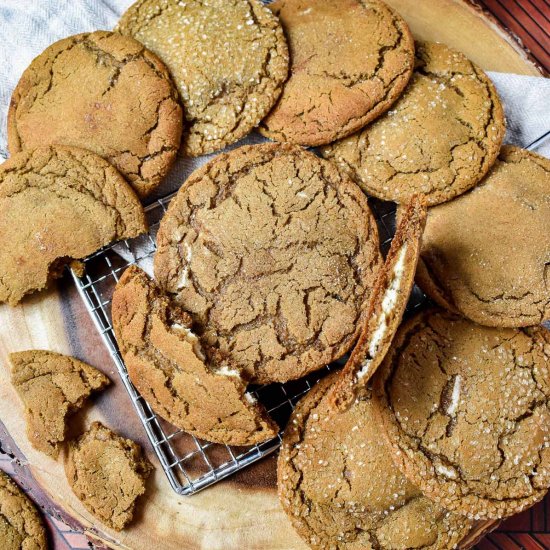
(486, 254)
(59, 203)
(52, 387)
(350, 60)
(229, 60)
(466, 410)
(167, 365)
(107, 473)
(273, 253)
(21, 527)
(341, 490)
(387, 304)
(453, 111)
(106, 93)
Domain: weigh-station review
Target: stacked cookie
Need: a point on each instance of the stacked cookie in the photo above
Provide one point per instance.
(265, 260)
(268, 263)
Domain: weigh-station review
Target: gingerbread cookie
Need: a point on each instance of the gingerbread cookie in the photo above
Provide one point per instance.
(58, 203)
(107, 473)
(274, 254)
(486, 254)
(338, 485)
(466, 409)
(21, 527)
(453, 111)
(386, 306)
(167, 365)
(229, 60)
(103, 92)
(350, 60)
(52, 387)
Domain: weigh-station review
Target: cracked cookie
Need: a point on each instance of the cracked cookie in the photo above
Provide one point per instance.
(21, 527)
(103, 92)
(107, 473)
(338, 485)
(386, 306)
(168, 367)
(229, 60)
(57, 204)
(274, 253)
(466, 410)
(486, 254)
(350, 60)
(52, 387)
(453, 111)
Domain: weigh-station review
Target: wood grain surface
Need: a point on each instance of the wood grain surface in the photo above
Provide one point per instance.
(242, 512)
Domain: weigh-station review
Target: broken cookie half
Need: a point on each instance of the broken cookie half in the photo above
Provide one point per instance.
(57, 204)
(386, 306)
(108, 473)
(166, 364)
(52, 387)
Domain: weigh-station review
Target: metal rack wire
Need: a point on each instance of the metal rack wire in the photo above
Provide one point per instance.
(189, 463)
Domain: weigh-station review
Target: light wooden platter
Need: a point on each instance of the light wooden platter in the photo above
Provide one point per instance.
(242, 512)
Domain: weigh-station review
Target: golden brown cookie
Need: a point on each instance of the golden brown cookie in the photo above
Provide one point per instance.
(21, 527)
(229, 60)
(386, 306)
(167, 365)
(350, 60)
(486, 254)
(274, 254)
(58, 203)
(107, 473)
(52, 387)
(466, 409)
(103, 92)
(440, 138)
(341, 490)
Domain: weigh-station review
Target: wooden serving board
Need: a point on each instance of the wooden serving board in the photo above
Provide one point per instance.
(242, 512)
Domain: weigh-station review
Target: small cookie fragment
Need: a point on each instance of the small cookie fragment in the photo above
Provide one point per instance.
(21, 527)
(486, 254)
(166, 364)
(466, 410)
(350, 60)
(341, 490)
(453, 111)
(52, 387)
(386, 306)
(274, 253)
(107, 473)
(229, 60)
(106, 93)
(56, 204)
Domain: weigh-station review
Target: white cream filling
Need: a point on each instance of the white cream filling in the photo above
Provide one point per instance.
(191, 337)
(250, 398)
(184, 279)
(455, 397)
(388, 303)
(224, 370)
(392, 292)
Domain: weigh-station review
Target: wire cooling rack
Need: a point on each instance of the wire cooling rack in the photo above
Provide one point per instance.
(190, 463)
